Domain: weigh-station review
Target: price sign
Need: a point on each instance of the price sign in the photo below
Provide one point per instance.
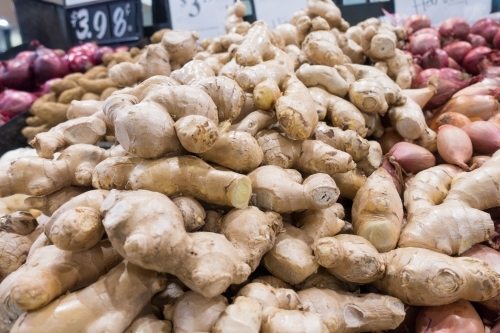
(440, 10)
(276, 12)
(105, 23)
(205, 16)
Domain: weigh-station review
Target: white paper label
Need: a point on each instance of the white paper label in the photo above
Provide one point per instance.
(205, 16)
(440, 10)
(276, 12)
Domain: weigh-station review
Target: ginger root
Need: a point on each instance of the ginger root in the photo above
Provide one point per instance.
(123, 292)
(436, 278)
(186, 175)
(283, 191)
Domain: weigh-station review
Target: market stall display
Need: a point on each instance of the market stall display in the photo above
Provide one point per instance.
(267, 180)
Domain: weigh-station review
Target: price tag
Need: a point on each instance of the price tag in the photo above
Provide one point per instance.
(90, 23)
(440, 10)
(205, 16)
(276, 12)
(106, 23)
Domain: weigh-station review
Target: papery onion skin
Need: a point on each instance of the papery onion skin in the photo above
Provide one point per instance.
(451, 118)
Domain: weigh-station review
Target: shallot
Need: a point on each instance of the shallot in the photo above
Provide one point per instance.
(454, 146)
(476, 40)
(434, 58)
(457, 50)
(416, 22)
(389, 139)
(450, 81)
(459, 316)
(478, 160)
(485, 136)
(473, 106)
(472, 58)
(451, 118)
(492, 258)
(411, 157)
(422, 96)
(421, 43)
(454, 27)
(485, 27)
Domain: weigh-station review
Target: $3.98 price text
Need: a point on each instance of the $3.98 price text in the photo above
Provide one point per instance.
(111, 21)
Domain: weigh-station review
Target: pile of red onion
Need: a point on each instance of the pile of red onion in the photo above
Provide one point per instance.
(31, 73)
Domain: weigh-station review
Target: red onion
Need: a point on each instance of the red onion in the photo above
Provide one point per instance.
(434, 58)
(484, 135)
(472, 58)
(450, 81)
(17, 73)
(48, 65)
(416, 22)
(78, 62)
(485, 27)
(13, 102)
(476, 40)
(100, 52)
(25, 55)
(455, 27)
(121, 48)
(81, 58)
(457, 50)
(3, 120)
(419, 44)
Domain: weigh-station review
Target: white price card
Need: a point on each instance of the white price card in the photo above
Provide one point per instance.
(276, 12)
(440, 10)
(205, 16)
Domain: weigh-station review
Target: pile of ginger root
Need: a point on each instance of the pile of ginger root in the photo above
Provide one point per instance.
(247, 191)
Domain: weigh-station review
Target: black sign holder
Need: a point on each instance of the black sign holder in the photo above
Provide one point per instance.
(106, 22)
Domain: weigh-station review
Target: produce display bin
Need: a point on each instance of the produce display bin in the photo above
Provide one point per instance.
(10, 134)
